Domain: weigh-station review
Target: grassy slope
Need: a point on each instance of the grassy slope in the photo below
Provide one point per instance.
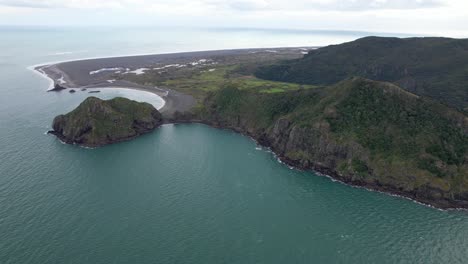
(218, 71)
(206, 81)
(199, 82)
(434, 67)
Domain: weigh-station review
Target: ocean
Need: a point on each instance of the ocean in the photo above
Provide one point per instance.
(186, 193)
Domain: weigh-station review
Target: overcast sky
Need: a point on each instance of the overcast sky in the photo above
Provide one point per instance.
(430, 17)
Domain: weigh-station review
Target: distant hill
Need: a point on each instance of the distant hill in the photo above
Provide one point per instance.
(363, 132)
(433, 67)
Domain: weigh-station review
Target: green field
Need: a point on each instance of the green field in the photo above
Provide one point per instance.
(205, 81)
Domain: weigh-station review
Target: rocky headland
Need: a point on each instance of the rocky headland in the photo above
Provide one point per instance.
(361, 132)
(369, 133)
(97, 122)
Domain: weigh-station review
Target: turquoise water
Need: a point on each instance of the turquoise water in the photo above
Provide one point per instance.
(185, 193)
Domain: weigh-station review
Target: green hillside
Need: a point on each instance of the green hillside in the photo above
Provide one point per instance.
(368, 133)
(433, 67)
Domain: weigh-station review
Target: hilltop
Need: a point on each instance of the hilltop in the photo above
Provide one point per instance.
(432, 67)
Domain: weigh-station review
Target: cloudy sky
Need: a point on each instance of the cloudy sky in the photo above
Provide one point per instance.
(431, 17)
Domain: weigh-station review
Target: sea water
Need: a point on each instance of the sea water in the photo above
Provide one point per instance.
(185, 193)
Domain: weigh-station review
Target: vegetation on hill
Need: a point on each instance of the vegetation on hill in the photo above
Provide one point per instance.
(369, 133)
(315, 114)
(432, 67)
(198, 82)
(97, 122)
(217, 71)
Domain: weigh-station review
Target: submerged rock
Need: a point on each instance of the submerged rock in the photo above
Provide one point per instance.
(97, 122)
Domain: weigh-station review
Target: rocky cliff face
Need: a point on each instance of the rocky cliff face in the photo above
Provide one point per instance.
(350, 162)
(361, 132)
(96, 122)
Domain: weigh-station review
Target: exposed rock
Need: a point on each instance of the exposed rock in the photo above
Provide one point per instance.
(57, 88)
(72, 91)
(97, 122)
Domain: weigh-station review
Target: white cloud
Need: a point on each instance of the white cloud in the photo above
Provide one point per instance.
(345, 5)
(63, 3)
(432, 17)
(249, 4)
(245, 5)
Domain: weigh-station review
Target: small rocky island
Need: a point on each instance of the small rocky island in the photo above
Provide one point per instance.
(97, 122)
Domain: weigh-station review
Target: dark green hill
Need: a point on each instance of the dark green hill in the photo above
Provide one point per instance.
(433, 67)
(364, 132)
(97, 122)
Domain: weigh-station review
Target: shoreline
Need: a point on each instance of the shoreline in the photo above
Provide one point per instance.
(34, 68)
(38, 70)
(79, 73)
(442, 205)
(76, 74)
(176, 102)
(164, 94)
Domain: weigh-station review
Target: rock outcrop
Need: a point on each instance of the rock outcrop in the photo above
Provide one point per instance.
(57, 88)
(97, 122)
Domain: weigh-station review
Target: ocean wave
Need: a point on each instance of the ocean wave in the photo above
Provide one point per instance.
(60, 53)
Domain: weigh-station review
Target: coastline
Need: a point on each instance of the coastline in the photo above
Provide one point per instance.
(169, 97)
(35, 68)
(76, 74)
(442, 205)
(176, 102)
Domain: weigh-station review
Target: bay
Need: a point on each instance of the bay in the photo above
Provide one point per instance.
(185, 193)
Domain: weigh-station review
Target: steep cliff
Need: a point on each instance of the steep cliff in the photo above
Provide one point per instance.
(362, 132)
(96, 122)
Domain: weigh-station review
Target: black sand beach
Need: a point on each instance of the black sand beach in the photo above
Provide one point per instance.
(100, 73)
